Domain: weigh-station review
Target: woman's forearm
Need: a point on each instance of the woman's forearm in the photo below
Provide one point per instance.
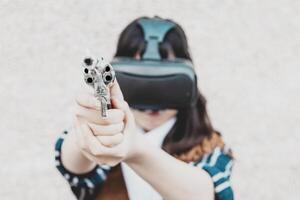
(172, 178)
(72, 159)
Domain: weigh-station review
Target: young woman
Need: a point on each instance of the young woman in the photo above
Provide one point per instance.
(144, 154)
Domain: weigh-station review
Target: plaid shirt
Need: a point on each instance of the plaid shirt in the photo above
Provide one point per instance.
(86, 186)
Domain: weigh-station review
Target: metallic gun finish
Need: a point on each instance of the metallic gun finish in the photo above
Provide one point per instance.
(100, 75)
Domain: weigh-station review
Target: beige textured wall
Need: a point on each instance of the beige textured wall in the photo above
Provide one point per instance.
(247, 58)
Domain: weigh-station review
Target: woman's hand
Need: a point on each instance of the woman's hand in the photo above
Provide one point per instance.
(105, 140)
(112, 140)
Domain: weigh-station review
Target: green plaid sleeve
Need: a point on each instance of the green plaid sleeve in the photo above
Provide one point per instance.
(84, 186)
(219, 166)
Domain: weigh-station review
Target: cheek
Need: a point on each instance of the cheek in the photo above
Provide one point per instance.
(161, 116)
(170, 113)
(139, 116)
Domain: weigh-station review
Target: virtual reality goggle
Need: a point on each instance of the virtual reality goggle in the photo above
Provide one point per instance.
(153, 82)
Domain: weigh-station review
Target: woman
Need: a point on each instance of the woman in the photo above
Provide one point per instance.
(144, 154)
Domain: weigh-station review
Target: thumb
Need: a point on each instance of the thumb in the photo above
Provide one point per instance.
(115, 91)
(123, 105)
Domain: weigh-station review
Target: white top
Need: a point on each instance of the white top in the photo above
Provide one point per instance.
(137, 188)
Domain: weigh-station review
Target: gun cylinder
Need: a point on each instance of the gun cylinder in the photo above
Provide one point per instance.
(100, 75)
(108, 78)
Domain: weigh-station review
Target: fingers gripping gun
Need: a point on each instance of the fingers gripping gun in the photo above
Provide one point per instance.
(100, 75)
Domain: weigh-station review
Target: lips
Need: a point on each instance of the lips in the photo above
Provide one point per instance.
(153, 112)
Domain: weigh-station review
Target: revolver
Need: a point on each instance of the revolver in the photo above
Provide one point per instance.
(100, 75)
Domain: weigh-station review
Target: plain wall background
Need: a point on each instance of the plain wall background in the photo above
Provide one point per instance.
(247, 59)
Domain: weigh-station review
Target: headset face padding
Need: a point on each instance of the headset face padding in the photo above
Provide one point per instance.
(156, 84)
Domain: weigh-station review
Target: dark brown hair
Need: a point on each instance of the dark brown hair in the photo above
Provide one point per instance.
(192, 125)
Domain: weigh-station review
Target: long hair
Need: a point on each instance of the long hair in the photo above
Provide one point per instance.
(193, 125)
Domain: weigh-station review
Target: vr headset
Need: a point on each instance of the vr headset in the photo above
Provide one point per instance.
(152, 82)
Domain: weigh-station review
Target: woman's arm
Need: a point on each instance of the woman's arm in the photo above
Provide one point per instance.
(72, 158)
(172, 178)
(85, 183)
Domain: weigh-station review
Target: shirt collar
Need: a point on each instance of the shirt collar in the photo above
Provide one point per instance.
(157, 135)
